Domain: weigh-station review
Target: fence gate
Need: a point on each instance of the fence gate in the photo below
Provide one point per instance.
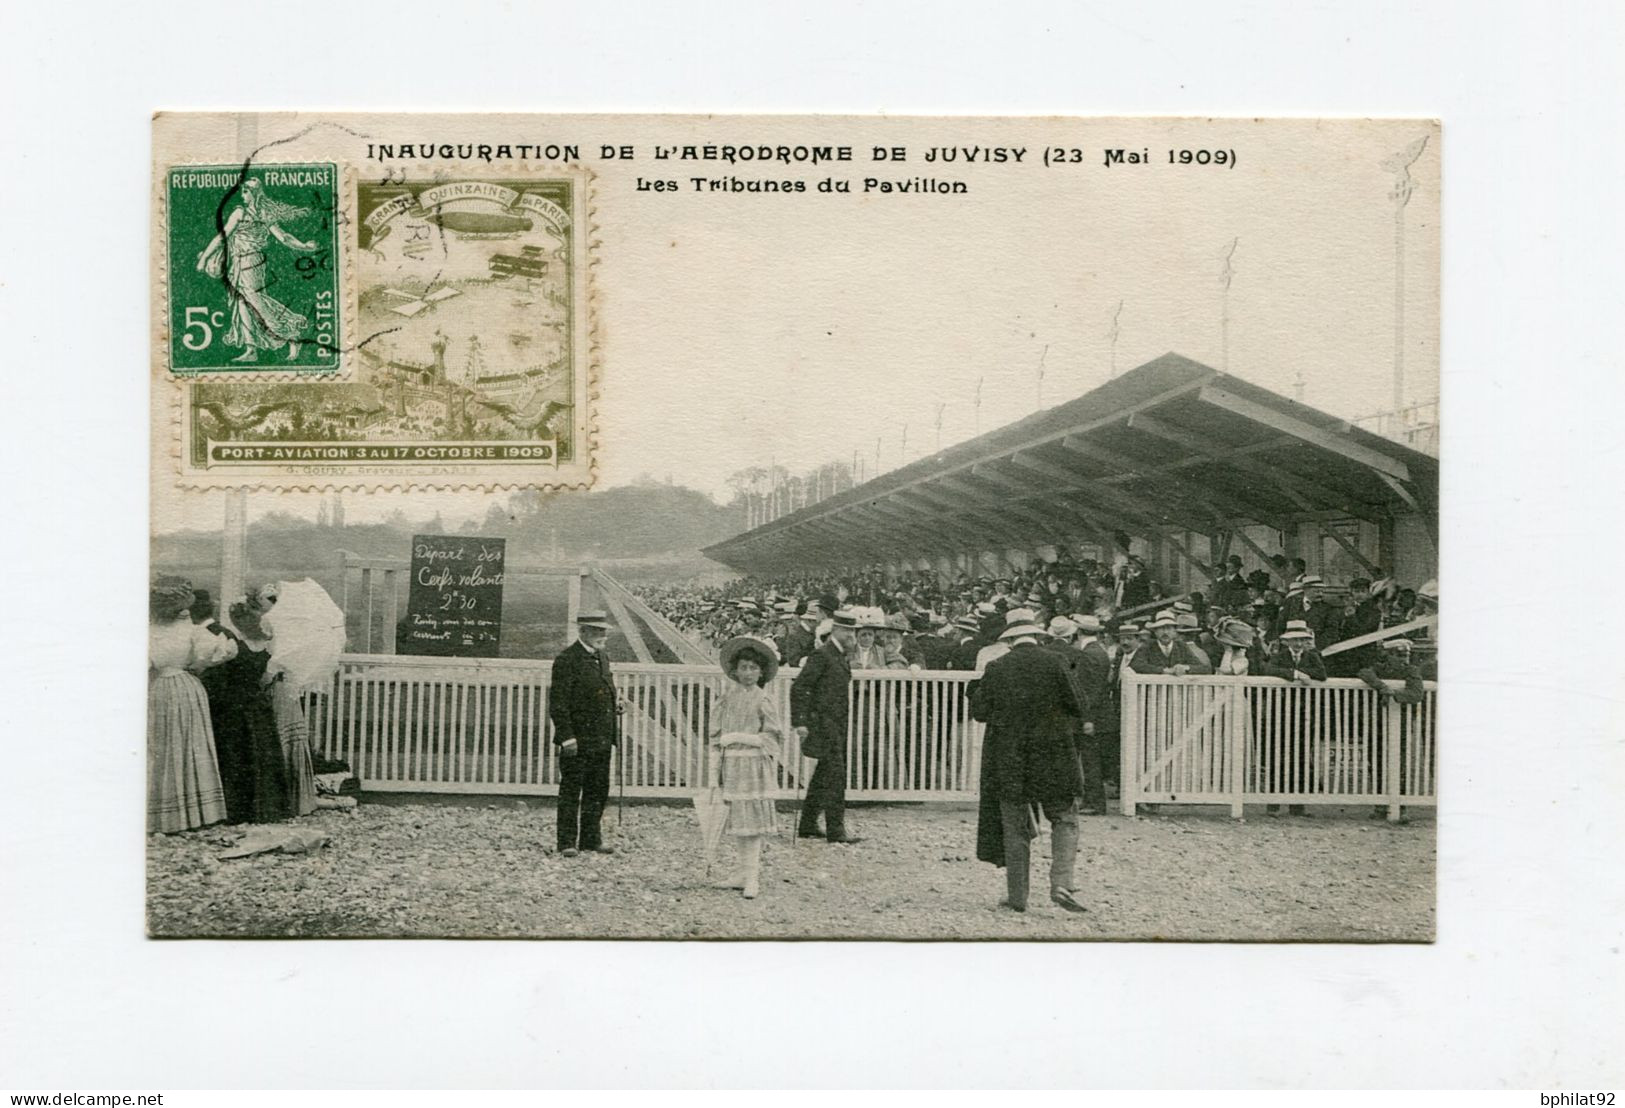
(1180, 743)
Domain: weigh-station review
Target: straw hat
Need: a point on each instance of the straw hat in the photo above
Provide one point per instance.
(1297, 629)
(1022, 629)
(1164, 619)
(600, 620)
(1089, 625)
(769, 656)
(1062, 628)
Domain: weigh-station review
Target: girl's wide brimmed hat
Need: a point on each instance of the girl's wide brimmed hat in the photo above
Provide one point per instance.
(768, 655)
(1234, 632)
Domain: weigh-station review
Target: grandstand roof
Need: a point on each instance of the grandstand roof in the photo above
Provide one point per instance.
(1170, 446)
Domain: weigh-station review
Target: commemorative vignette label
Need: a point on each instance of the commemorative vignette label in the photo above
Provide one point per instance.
(253, 269)
(473, 356)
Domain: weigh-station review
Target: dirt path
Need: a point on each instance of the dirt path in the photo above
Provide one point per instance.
(490, 870)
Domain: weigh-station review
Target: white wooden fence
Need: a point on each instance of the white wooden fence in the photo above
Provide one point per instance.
(1259, 740)
(464, 725)
(468, 725)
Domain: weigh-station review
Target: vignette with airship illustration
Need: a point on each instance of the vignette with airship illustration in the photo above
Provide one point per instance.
(473, 352)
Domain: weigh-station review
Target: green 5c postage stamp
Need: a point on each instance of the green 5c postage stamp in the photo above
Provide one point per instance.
(253, 268)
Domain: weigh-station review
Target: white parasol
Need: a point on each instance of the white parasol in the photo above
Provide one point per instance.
(307, 631)
(711, 812)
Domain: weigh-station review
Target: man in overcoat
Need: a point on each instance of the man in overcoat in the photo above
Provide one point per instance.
(819, 712)
(1029, 759)
(583, 706)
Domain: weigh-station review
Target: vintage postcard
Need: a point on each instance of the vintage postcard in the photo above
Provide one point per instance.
(784, 527)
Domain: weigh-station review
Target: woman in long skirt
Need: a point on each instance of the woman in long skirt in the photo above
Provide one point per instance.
(183, 777)
(745, 737)
(295, 735)
(253, 768)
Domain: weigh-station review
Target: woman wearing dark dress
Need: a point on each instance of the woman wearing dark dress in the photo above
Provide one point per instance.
(252, 767)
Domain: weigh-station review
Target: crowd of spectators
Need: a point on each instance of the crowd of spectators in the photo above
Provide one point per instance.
(921, 619)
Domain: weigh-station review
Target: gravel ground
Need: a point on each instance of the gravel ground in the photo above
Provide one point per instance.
(479, 869)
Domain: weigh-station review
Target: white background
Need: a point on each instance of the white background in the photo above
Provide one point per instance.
(1524, 987)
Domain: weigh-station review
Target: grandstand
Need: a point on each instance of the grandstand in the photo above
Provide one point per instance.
(1190, 463)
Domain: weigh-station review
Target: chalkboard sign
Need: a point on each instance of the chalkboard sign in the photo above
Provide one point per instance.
(454, 607)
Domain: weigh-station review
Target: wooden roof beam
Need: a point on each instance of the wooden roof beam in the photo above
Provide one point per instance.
(1000, 526)
(988, 503)
(924, 524)
(1297, 490)
(1327, 440)
(1192, 517)
(915, 537)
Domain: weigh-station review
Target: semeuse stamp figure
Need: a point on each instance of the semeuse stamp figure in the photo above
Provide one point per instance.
(253, 267)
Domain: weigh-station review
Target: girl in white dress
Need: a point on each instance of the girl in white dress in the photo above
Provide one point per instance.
(744, 750)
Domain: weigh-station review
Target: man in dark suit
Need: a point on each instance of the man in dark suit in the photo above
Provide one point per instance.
(1029, 759)
(583, 706)
(1325, 621)
(937, 649)
(1393, 665)
(1294, 659)
(819, 712)
(1097, 682)
(800, 639)
(1167, 653)
(1133, 584)
(968, 643)
(1230, 590)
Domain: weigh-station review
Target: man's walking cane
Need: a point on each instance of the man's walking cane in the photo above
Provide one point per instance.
(620, 764)
(795, 830)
